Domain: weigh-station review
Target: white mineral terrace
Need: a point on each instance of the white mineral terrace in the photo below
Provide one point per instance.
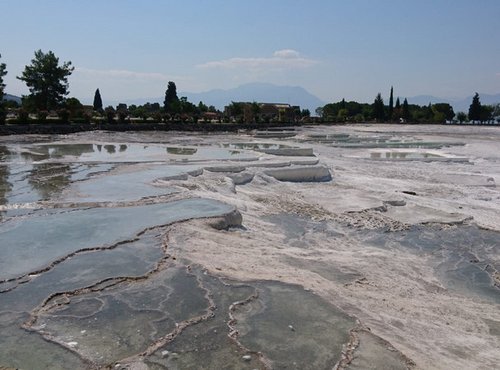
(348, 247)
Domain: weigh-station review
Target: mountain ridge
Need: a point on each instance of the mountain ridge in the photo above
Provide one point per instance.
(258, 92)
(459, 105)
(9, 97)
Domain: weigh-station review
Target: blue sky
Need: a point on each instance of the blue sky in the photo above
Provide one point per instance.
(335, 49)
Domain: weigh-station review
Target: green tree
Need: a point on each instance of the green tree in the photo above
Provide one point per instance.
(3, 72)
(461, 117)
(391, 104)
(202, 107)
(46, 80)
(486, 113)
(74, 107)
(378, 108)
(475, 108)
(305, 113)
(97, 101)
(405, 114)
(443, 112)
(342, 114)
(496, 112)
(171, 102)
(110, 114)
(397, 110)
(122, 112)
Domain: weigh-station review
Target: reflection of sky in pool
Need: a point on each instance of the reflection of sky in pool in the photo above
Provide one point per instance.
(254, 146)
(112, 152)
(403, 155)
(33, 172)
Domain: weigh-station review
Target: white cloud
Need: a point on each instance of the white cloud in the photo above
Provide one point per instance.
(281, 59)
(286, 53)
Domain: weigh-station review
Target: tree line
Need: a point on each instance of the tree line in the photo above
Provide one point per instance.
(352, 111)
(47, 81)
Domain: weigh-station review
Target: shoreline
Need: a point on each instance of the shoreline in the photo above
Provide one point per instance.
(37, 128)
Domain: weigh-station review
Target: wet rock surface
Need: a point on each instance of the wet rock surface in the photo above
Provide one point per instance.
(136, 251)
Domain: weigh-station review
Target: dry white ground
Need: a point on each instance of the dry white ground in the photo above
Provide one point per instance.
(392, 291)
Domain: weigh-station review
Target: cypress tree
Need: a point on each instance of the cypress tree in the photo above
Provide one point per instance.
(398, 104)
(391, 104)
(406, 110)
(378, 108)
(475, 109)
(97, 101)
(171, 99)
(3, 72)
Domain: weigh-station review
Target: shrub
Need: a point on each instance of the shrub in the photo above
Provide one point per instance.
(63, 115)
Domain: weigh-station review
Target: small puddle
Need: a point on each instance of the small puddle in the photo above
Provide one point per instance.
(115, 153)
(403, 155)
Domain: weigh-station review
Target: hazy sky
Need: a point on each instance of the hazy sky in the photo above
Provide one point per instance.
(353, 49)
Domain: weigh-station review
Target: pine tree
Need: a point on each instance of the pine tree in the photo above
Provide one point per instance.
(391, 104)
(475, 109)
(378, 108)
(47, 81)
(97, 101)
(3, 72)
(171, 100)
(406, 110)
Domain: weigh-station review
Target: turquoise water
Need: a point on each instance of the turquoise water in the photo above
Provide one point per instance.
(30, 244)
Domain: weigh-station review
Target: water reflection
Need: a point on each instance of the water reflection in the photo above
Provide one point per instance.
(403, 155)
(181, 151)
(5, 187)
(254, 146)
(110, 149)
(113, 152)
(49, 179)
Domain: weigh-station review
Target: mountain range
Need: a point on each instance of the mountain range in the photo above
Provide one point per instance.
(296, 95)
(459, 105)
(258, 92)
(9, 97)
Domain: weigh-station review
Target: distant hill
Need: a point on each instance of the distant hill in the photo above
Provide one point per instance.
(486, 99)
(258, 92)
(9, 97)
(459, 105)
(295, 95)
